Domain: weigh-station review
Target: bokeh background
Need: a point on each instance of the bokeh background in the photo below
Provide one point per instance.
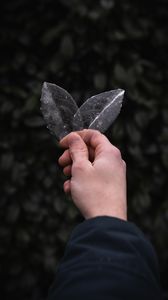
(86, 47)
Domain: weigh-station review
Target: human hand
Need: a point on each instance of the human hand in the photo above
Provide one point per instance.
(98, 174)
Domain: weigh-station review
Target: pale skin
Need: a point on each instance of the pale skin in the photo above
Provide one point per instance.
(97, 173)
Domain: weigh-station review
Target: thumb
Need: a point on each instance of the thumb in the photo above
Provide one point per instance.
(77, 148)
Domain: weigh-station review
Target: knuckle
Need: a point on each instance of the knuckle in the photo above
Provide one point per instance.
(61, 158)
(78, 166)
(80, 150)
(85, 130)
(116, 152)
(73, 137)
(72, 134)
(124, 164)
(95, 134)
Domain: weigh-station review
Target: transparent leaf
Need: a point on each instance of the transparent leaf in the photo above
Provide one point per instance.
(58, 109)
(100, 111)
(62, 114)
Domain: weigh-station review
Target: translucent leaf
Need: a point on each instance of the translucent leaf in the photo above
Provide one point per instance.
(100, 111)
(58, 108)
(62, 114)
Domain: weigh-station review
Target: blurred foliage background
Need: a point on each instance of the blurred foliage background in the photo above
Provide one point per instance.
(86, 47)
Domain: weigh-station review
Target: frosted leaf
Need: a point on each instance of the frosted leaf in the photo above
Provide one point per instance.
(100, 111)
(58, 109)
(62, 114)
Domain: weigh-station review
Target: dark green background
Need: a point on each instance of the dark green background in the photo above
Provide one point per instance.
(86, 47)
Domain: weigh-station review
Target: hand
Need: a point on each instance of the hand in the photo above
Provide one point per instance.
(98, 174)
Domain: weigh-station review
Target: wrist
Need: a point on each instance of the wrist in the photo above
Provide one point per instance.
(115, 214)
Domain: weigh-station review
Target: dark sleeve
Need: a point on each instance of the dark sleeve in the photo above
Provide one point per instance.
(105, 259)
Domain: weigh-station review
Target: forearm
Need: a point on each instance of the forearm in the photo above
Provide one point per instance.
(107, 258)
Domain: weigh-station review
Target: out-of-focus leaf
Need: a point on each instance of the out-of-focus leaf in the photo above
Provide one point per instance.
(87, 47)
(67, 47)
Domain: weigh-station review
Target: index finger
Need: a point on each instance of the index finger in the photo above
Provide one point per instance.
(92, 138)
